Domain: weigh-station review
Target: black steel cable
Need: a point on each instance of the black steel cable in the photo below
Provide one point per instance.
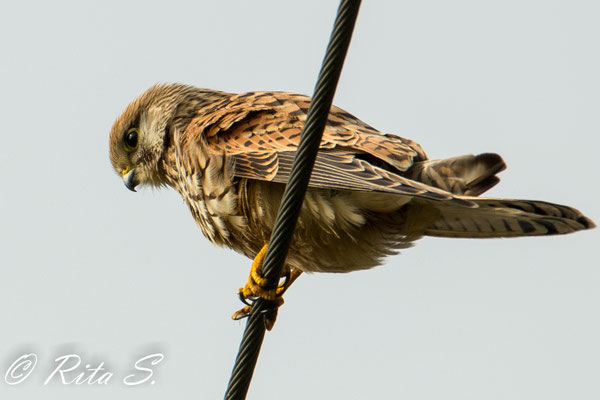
(293, 196)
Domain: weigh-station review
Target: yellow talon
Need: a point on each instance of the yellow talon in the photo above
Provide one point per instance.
(255, 288)
(256, 269)
(241, 313)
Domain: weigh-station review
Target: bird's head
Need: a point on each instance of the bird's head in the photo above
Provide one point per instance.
(142, 134)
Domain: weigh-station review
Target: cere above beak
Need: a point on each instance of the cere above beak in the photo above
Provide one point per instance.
(129, 178)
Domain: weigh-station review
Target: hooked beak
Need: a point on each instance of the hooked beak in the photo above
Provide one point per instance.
(128, 175)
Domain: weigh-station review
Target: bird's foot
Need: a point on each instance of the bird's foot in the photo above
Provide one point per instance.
(256, 287)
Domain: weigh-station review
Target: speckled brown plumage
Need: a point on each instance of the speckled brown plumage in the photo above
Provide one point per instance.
(371, 194)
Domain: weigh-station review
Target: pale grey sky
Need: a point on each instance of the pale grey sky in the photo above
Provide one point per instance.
(93, 269)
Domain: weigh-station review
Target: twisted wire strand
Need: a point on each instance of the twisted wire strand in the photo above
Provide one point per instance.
(294, 193)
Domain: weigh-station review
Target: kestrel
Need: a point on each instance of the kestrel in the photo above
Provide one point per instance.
(370, 194)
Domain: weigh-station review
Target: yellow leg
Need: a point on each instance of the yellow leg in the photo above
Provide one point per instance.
(255, 288)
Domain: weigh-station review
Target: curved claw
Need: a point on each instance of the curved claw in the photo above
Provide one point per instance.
(287, 275)
(242, 313)
(245, 299)
(270, 314)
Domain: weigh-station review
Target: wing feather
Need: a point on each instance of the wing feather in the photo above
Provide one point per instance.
(260, 131)
(338, 171)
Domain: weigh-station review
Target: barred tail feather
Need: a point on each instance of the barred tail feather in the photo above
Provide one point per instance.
(506, 218)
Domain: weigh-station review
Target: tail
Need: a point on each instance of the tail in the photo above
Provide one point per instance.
(504, 218)
(465, 175)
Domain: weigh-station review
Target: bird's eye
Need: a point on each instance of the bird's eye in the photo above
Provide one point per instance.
(130, 141)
